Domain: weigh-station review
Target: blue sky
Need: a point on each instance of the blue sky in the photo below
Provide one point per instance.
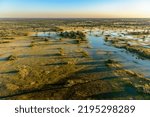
(75, 8)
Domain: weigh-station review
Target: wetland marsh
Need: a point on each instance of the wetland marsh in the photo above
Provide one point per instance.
(63, 59)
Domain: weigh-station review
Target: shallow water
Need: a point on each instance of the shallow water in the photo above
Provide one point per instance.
(129, 60)
(147, 46)
(52, 35)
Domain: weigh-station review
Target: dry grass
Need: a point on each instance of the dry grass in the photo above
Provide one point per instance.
(85, 53)
(61, 52)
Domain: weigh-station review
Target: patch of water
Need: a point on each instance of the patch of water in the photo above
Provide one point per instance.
(147, 46)
(52, 35)
(129, 60)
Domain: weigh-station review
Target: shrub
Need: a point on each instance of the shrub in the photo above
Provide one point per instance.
(12, 57)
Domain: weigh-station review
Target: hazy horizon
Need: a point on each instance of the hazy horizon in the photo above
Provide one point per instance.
(74, 9)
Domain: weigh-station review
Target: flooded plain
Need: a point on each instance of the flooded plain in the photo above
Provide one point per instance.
(129, 60)
(97, 42)
(80, 60)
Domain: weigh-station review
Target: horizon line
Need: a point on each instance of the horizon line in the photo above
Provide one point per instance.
(74, 18)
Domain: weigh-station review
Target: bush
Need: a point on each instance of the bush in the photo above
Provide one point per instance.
(74, 35)
(12, 57)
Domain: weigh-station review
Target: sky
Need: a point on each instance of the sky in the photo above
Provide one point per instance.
(74, 8)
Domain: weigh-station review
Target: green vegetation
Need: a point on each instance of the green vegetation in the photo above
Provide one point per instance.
(80, 36)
